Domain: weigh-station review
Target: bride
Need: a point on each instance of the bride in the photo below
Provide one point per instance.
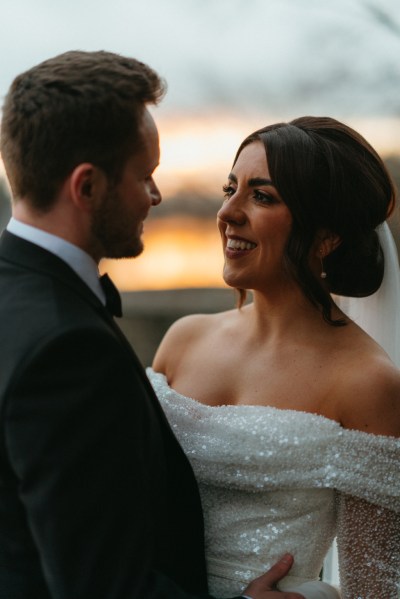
(287, 409)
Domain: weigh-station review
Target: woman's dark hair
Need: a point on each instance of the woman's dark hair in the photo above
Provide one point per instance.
(331, 179)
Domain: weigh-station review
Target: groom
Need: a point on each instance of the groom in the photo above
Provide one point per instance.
(97, 498)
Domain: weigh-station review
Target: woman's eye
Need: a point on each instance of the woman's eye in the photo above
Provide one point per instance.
(264, 198)
(228, 191)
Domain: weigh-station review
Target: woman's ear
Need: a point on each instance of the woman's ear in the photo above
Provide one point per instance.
(87, 184)
(326, 243)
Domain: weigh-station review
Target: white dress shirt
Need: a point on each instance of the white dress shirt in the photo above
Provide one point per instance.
(83, 264)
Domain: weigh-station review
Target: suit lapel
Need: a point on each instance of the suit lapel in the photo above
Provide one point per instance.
(28, 255)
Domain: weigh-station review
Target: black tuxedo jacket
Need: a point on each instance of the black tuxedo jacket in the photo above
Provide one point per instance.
(97, 499)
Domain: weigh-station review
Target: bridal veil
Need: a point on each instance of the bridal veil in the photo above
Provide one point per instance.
(379, 314)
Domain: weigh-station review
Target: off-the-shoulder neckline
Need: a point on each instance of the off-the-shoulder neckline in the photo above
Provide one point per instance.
(272, 409)
(234, 407)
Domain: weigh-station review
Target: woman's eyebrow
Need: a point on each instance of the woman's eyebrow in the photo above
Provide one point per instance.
(253, 182)
(232, 177)
(256, 181)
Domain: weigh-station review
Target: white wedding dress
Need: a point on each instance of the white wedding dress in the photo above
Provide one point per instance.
(275, 480)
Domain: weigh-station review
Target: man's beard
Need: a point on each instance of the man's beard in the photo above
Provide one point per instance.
(111, 232)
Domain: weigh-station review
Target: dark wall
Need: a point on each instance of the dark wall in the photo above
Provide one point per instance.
(148, 314)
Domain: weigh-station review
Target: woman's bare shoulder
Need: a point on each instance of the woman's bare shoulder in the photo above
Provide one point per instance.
(195, 324)
(368, 392)
(183, 334)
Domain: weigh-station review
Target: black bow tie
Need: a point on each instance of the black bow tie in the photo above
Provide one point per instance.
(113, 299)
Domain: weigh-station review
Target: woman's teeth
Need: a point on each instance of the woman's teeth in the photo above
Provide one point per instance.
(238, 244)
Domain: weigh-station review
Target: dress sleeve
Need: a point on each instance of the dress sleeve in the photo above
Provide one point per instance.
(364, 471)
(369, 549)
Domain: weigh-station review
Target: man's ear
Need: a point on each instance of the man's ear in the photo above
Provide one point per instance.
(87, 184)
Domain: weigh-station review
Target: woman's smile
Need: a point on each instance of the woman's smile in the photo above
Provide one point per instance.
(238, 246)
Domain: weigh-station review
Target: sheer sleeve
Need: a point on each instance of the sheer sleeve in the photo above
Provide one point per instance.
(364, 471)
(368, 539)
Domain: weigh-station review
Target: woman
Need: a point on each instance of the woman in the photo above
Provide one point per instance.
(294, 423)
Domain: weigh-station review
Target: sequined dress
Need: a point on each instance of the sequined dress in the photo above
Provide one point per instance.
(274, 480)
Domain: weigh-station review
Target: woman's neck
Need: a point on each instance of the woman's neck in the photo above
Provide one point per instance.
(286, 316)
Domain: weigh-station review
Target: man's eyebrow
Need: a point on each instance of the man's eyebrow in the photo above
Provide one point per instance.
(253, 182)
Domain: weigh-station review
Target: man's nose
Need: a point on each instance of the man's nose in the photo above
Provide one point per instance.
(155, 194)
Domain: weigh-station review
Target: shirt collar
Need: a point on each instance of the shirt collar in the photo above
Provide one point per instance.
(80, 262)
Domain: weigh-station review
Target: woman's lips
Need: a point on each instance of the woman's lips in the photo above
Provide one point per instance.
(237, 247)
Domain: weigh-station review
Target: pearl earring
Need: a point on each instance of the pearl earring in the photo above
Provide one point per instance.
(321, 257)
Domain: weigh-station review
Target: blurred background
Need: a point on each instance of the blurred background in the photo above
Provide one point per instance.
(232, 66)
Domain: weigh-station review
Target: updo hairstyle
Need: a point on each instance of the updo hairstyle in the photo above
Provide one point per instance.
(330, 178)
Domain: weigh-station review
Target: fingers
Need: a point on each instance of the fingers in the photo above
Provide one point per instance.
(264, 587)
(277, 572)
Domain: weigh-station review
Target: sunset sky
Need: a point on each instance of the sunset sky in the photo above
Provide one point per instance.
(231, 67)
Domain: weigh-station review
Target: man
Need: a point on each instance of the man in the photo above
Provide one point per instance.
(97, 499)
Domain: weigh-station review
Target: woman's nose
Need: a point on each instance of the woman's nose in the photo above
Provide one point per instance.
(232, 211)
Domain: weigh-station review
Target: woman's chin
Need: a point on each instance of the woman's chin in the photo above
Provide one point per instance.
(235, 282)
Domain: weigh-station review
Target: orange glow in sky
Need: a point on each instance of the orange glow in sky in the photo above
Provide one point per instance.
(179, 252)
(198, 151)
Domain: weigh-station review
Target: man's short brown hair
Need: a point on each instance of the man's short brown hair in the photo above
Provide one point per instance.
(73, 108)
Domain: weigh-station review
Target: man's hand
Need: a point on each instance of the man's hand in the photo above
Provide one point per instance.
(263, 587)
